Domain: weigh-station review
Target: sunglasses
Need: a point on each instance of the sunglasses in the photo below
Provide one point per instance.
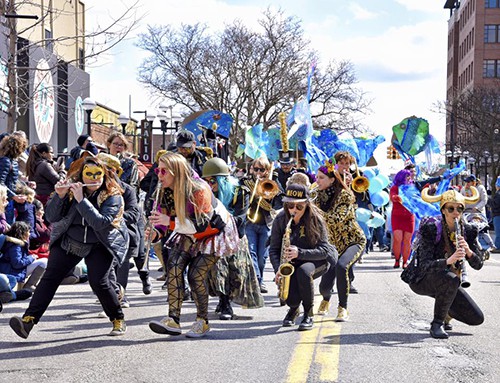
(262, 170)
(292, 205)
(211, 181)
(451, 209)
(161, 171)
(118, 144)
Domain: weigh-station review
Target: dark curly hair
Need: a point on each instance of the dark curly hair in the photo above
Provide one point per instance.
(18, 230)
(13, 146)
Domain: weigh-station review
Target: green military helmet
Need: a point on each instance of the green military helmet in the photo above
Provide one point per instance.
(215, 167)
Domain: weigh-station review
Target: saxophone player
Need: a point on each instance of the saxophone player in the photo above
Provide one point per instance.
(308, 251)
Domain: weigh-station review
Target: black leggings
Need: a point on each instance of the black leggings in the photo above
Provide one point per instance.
(450, 298)
(341, 273)
(99, 263)
(302, 285)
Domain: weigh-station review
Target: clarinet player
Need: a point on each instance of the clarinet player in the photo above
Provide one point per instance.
(436, 268)
(308, 251)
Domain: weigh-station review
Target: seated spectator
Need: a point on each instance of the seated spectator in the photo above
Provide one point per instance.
(4, 201)
(16, 260)
(26, 210)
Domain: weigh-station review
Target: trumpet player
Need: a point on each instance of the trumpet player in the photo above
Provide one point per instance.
(337, 203)
(260, 217)
(308, 251)
(434, 270)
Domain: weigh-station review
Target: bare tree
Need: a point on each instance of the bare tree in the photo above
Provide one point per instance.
(95, 42)
(476, 118)
(252, 75)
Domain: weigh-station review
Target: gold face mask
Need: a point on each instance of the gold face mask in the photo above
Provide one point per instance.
(93, 172)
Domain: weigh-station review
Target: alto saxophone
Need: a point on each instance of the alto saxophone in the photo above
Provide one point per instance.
(286, 268)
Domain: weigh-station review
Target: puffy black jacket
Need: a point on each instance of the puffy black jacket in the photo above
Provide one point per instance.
(101, 217)
(9, 173)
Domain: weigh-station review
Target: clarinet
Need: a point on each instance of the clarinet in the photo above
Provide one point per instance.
(149, 227)
(462, 269)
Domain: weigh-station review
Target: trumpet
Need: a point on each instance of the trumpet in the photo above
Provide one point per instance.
(359, 184)
(313, 191)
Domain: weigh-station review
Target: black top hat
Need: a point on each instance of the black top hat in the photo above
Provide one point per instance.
(285, 157)
(296, 193)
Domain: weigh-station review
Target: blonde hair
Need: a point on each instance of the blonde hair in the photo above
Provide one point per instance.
(299, 178)
(184, 185)
(3, 198)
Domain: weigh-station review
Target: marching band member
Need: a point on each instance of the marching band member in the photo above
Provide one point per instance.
(299, 236)
(86, 211)
(337, 202)
(203, 230)
(435, 271)
(233, 278)
(260, 219)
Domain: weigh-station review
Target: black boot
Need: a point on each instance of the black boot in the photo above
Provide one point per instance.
(307, 322)
(290, 317)
(226, 311)
(22, 327)
(147, 288)
(437, 330)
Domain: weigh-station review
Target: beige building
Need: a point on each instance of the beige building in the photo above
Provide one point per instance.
(59, 21)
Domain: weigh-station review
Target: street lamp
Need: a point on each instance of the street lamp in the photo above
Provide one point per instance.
(123, 120)
(486, 155)
(471, 162)
(89, 105)
(162, 116)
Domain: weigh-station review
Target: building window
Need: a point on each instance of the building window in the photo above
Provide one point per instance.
(49, 42)
(491, 3)
(490, 33)
(490, 69)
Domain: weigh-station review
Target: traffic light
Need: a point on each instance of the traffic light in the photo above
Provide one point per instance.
(392, 153)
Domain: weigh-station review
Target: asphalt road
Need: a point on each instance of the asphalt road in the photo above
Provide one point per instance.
(385, 340)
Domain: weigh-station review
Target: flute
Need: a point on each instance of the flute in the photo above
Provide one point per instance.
(69, 185)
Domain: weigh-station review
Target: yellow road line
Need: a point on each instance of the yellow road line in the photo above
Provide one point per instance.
(321, 346)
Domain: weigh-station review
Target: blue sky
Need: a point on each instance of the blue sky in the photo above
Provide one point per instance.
(397, 47)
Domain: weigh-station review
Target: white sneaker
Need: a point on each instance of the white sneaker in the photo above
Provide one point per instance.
(342, 315)
(198, 329)
(166, 326)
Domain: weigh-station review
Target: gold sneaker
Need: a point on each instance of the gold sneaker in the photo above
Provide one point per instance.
(166, 326)
(198, 329)
(342, 315)
(324, 307)
(119, 328)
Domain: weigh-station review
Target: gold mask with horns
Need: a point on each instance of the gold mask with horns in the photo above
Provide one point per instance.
(451, 196)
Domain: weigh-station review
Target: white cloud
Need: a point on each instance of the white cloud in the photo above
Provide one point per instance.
(361, 13)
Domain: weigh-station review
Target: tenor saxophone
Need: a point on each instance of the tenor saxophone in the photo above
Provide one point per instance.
(286, 268)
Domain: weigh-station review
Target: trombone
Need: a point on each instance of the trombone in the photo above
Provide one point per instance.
(267, 189)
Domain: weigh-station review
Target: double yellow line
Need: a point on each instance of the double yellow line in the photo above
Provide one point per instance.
(319, 346)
